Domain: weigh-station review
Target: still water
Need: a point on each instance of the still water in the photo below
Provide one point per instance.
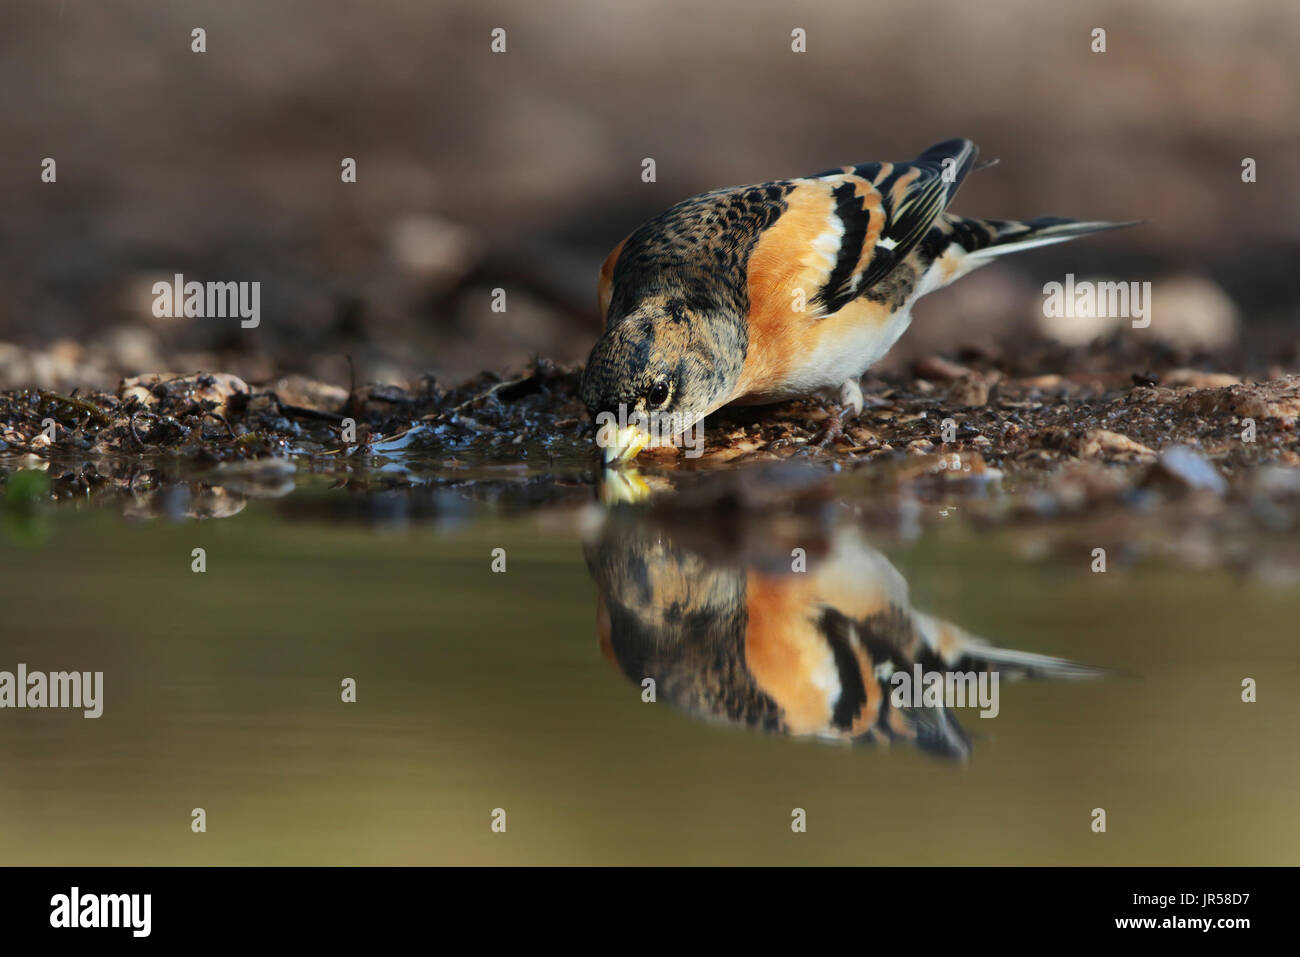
(523, 691)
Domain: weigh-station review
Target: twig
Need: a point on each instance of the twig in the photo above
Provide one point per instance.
(222, 419)
(94, 411)
(482, 395)
(134, 434)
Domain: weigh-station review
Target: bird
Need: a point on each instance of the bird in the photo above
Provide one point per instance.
(744, 639)
(765, 293)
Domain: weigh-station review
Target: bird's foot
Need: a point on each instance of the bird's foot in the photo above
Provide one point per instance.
(831, 431)
(850, 406)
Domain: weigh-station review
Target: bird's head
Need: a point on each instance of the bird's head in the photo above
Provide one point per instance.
(657, 372)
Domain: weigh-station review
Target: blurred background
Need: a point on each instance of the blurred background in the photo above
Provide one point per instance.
(520, 170)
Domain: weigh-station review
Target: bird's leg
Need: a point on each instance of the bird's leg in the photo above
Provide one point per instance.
(851, 397)
(850, 406)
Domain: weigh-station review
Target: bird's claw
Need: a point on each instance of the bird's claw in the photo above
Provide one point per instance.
(833, 429)
(851, 405)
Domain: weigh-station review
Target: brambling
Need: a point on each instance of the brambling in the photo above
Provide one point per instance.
(749, 642)
(758, 294)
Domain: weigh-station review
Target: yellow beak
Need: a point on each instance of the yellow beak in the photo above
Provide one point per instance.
(625, 445)
(623, 486)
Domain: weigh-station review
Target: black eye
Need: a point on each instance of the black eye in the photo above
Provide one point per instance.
(658, 394)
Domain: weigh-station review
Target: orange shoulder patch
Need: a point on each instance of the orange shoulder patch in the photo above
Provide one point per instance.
(791, 263)
(605, 290)
(786, 653)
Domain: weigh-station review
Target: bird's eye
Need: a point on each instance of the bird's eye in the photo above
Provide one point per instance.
(658, 394)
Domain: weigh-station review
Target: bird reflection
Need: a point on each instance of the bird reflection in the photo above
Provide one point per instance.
(739, 634)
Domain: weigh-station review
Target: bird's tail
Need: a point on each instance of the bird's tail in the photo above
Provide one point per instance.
(985, 239)
(959, 650)
(1026, 664)
(955, 653)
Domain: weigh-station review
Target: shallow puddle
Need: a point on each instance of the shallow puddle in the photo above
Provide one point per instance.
(767, 639)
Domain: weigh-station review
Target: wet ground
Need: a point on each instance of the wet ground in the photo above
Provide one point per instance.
(501, 605)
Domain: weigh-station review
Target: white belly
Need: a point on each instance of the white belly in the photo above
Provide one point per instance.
(836, 359)
(848, 353)
(847, 357)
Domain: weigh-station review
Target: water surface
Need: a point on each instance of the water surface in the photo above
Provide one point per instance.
(479, 690)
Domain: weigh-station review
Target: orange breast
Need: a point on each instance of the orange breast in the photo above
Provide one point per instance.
(789, 265)
(786, 654)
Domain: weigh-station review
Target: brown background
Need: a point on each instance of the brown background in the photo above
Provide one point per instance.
(521, 170)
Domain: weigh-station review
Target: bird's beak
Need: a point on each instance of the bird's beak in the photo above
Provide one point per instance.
(623, 486)
(625, 445)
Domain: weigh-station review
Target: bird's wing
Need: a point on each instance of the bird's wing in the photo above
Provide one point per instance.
(605, 290)
(698, 247)
(844, 230)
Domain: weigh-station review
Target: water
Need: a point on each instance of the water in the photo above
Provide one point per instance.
(479, 690)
